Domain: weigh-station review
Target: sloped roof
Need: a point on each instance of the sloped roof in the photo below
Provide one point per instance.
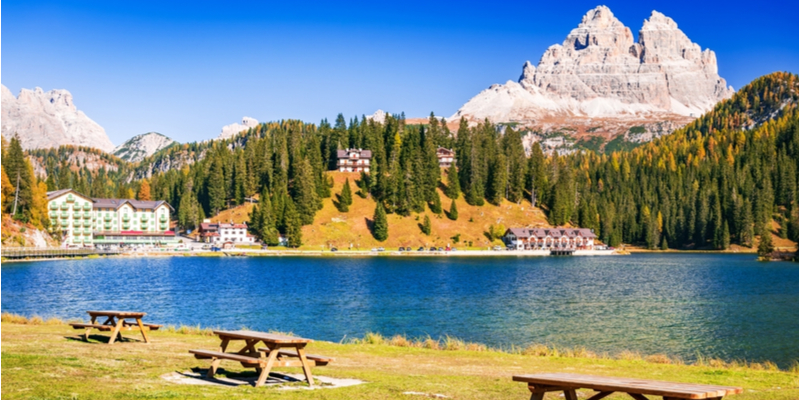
(362, 153)
(137, 204)
(52, 195)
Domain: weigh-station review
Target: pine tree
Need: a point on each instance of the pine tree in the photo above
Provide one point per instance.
(498, 180)
(453, 186)
(7, 191)
(746, 232)
(216, 187)
(426, 225)
(304, 194)
(17, 168)
(765, 246)
(726, 237)
(345, 197)
(294, 225)
(436, 205)
(453, 213)
(664, 244)
(380, 226)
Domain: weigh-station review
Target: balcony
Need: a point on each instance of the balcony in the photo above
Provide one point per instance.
(53, 206)
(163, 218)
(64, 206)
(126, 217)
(64, 224)
(107, 218)
(70, 198)
(87, 215)
(64, 215)
(87, 207)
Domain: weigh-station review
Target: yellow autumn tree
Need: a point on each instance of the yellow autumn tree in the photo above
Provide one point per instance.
(144, 190)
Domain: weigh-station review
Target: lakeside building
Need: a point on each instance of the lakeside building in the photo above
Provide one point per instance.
(94, 221)
(550, 238)
(225, 235)
(447, 157)
(353, 160)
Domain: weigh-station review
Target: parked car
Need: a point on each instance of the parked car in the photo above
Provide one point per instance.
(215, 248)
(432, 249)
(440, 249)
(374, 249)
(334, 249)
(498, 248)
(401, 249)
(408, 248)
(381, 249)
(205, 247)
(421, 249)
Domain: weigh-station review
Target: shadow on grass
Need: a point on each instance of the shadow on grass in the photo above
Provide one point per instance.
(100, 339)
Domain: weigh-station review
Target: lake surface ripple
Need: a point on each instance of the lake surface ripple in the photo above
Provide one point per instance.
(724, 306)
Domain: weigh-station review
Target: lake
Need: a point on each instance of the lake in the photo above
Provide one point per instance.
(726, 306)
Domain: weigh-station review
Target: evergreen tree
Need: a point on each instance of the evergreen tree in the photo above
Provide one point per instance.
(453, 213)
(436, 205)
(294, 225)
(765, 246)
(380, 226)
(498, 180)
(216, 187)
(426, 225)
(345, 197)
(17, 169)
(664, 244)
(725, 243)
(453, 187)
(746, 233)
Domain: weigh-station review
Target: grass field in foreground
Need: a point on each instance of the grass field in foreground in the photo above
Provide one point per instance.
(50, 361)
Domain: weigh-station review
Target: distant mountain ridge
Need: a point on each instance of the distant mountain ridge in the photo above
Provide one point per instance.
(49, 119)
(142, 146)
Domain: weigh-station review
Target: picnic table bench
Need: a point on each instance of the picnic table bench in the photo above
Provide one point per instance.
(540, 384)
(116, 321)
(280, 351)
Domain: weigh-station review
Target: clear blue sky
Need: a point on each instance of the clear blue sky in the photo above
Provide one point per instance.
(187, 69)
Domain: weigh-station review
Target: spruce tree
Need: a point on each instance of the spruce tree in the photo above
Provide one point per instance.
(294, 225)
(16, 168)
(426, 225)
(436, 205)
(453, 213)
(345, 197)
(304, 194)
(266, 224)
(765, 246)
(453, 186)
(216, 187)
(726, 237)
(664, 244)
(380, 226)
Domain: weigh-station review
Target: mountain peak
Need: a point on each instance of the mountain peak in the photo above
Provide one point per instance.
(142, 146)
(49, 119)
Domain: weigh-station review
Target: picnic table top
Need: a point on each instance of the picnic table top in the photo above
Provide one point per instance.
(266, 337)
(630, 385)
(118, 314)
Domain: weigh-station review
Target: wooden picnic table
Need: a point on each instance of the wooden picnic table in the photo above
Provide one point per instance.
(280, 351)
(540, 384)
(115, 320)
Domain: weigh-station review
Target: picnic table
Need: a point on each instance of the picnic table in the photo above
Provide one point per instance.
(540, 384)
(116, 321)
(280, 351)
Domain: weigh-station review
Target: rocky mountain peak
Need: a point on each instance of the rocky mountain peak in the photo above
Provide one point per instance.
(49, 119)
(599, 71)
(229, 131)
(141, 146)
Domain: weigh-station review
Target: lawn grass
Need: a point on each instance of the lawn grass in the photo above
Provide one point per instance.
(46, 359)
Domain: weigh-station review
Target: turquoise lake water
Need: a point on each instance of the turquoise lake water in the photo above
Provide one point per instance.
(725, 306)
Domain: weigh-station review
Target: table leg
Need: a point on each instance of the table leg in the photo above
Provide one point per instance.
(570, 394)
(224, 345)
(141, 328)
(301, 352)
(86, 335)
(637, 396)
(116, 332)
(213, 369)
(262, 377)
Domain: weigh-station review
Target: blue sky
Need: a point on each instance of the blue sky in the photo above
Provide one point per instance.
(185, 69)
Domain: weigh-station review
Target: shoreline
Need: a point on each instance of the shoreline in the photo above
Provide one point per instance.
(369, 253)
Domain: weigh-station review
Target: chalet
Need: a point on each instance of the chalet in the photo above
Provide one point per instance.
(550, 238)
(221, 233)
(353, 160)
(446, 157)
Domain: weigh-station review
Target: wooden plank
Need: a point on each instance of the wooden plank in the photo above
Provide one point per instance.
(262, 377)
(628, 385)
(76, 325)
(301, 352)
(600, 395)
(262, 336)
(227, 356)
(117, 314)
(116, 332)
(570, 394)
(316, 357)
(141, 328)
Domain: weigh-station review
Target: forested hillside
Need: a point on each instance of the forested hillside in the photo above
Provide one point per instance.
(720, 180)
(710, 184)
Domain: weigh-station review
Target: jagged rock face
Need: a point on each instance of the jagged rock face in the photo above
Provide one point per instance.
(598, 71)
(228, 131)
(49, 119)
(141, 146)
(378, 116)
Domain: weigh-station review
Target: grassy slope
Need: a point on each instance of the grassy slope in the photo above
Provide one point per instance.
(332, 227)
(47, 361)
(338, 229)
